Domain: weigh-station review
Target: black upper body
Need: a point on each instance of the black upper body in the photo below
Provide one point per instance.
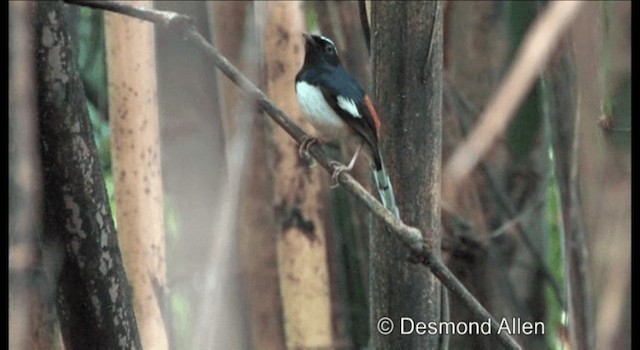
(322, 69)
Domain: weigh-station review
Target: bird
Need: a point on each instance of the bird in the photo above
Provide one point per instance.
(338, 108)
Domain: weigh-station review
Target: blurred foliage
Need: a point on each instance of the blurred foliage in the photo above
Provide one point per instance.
(616, 102)
(90, 59)
(521, 137)
(311, 17)
(91, 66)
(605, 10)
(350, 280)
(182, 319)
(555, 261)
(524, 129)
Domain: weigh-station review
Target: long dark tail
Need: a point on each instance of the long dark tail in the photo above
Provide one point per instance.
(386, 189)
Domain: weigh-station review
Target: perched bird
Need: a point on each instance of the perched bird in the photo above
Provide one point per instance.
(336, 105)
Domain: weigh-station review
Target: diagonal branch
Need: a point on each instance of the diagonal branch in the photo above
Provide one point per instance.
(411, 237)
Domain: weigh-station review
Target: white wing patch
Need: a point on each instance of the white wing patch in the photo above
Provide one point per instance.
(348, 105)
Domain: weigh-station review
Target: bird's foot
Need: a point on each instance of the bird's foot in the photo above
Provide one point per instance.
(306, 142)
(338, 168)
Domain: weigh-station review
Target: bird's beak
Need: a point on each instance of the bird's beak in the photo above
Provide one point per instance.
(307, 37)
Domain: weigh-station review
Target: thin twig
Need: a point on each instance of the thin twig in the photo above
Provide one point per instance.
(530, 60)
(516, 220)
(576, 248)
(364, 22)
(411, 237)
(433, 34)
(445, 316)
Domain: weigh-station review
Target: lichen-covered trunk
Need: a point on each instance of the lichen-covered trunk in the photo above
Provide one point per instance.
(80, 244)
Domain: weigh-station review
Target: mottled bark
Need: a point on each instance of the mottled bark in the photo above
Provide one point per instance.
(299, 192)
(135, 150)
(93, 298)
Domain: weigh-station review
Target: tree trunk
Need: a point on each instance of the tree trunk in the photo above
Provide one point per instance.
(257, 253)
(598, 192)
(80, 243)
(233, 30)
(135, 149)
(33, 323)
(194, 180)
(300, 192)
(407, 60)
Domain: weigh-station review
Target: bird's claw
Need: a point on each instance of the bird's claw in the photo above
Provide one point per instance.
(306, 142)
(338, 168)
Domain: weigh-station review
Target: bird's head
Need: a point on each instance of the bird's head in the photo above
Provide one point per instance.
(318, 47)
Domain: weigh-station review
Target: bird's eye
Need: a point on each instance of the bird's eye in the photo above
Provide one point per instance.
(329, 50)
